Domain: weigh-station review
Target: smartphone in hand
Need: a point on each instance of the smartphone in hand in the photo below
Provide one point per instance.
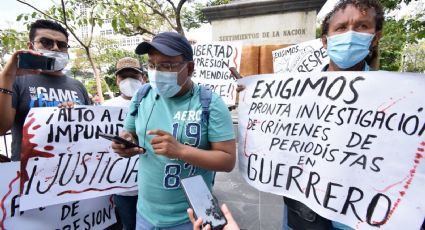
(203, 203)
(31, 61)
(127, 144)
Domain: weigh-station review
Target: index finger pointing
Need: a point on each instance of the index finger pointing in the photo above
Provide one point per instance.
(157, 132)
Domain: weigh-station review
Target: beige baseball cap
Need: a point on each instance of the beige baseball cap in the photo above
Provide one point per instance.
(128, 63)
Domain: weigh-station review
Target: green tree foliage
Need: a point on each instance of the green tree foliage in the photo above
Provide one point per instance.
(73, 14)
(398, 35)
(92, 87)
(10, 40)
(414, 57)
(391, 45)
(131, 17)
(106, 54)
(199, 15)
(394, 4)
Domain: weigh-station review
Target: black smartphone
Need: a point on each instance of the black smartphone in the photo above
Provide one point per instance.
(128, 144)
(31, 61)
(203, 203)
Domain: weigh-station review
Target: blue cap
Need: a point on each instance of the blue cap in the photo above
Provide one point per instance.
(168, 43)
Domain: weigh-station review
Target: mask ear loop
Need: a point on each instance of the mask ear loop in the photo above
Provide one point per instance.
(184, 83)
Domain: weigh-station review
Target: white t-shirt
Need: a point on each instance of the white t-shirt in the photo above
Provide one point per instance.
(117, 101)
(120, 102)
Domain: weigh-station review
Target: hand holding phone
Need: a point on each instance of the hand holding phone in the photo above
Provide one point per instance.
(231, 222)
(203, 203)
(32, 61)
(126, 143)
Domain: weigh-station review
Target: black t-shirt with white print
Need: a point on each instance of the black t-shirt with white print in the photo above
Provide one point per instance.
(41, 91)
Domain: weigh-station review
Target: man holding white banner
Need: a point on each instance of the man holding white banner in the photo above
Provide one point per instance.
(349, 33)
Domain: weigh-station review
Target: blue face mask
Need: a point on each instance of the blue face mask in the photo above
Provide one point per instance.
(348, 49)
(165, 83)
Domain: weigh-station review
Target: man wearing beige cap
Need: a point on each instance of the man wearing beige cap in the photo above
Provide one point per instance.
(130, 78)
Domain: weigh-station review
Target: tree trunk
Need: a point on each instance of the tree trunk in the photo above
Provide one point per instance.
(96, 74)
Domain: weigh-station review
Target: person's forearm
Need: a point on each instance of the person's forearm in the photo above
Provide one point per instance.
(7, 114)
(217, 160)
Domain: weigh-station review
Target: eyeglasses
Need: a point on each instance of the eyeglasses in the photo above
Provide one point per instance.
(50, 43)
(164, 66)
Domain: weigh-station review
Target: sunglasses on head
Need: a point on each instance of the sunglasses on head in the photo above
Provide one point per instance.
(50, 43)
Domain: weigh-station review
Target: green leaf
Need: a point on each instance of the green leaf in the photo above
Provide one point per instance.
(114, 23)
(6, 41)
(122, 23)
(19, 17)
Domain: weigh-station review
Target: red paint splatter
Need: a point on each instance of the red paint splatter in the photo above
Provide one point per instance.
(111, 201)
(391, 104)
(85, 161)
(49, 177)
(420, 149)
(412, 173)
(392, 185)
(91, 189)
(3, 218)
(234, 59)
(28, 151)
(358, 224)
(48, 147)
(36, 127)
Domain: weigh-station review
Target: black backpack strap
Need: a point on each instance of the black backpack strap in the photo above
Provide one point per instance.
(205, 99)
(141, 93)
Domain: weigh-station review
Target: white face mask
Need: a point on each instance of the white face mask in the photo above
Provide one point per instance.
(61, 58)
(129, 86)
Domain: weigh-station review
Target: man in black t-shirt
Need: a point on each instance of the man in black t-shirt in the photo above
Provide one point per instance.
(22, 89)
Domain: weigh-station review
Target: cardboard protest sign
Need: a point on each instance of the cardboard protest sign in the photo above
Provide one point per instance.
(64, 159)
(212, 63)
(307, 56)
(96, 213)
(350, 145)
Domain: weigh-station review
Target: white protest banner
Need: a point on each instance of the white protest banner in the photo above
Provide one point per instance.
(96, 213)
(307, 56)
(350, 145)
(63, 158)
(212, 63)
